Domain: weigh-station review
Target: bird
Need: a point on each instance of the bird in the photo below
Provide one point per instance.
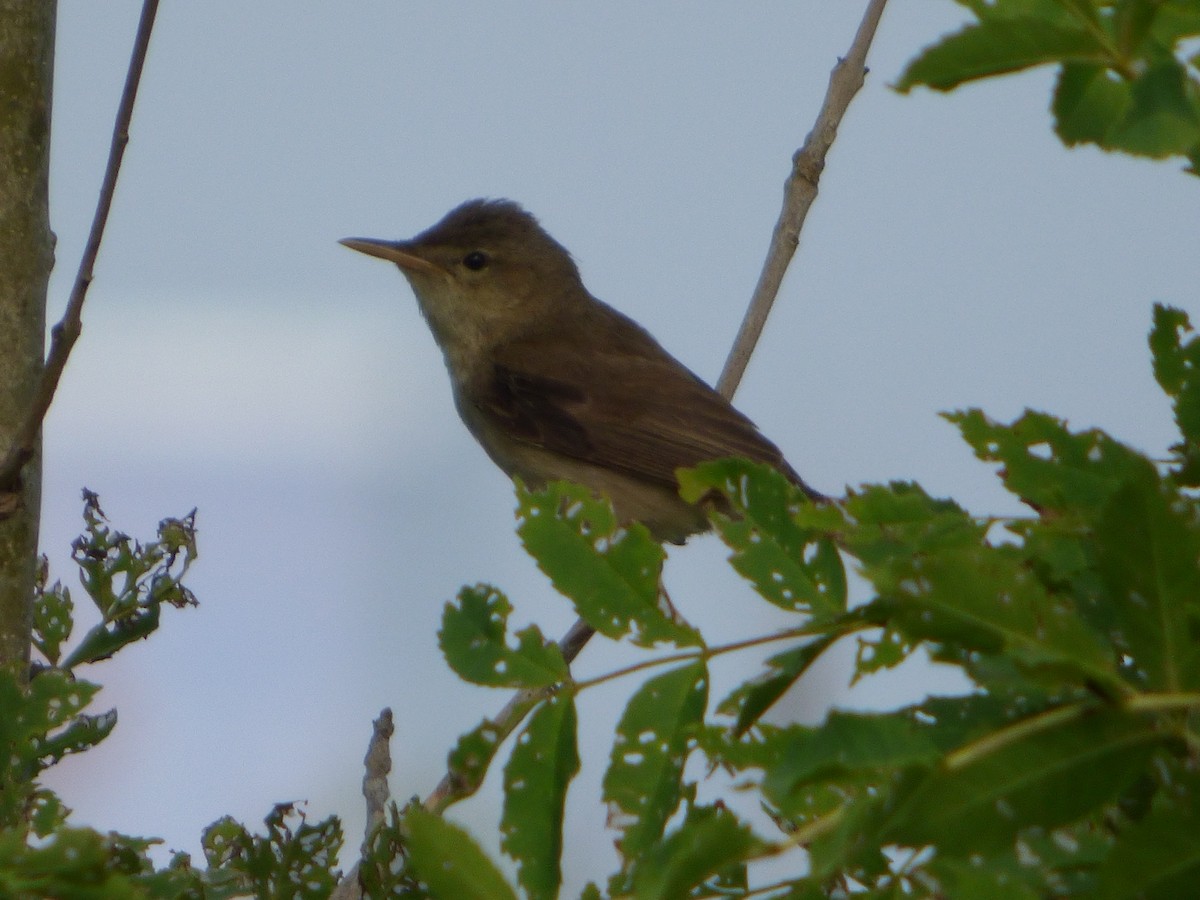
(557, 385)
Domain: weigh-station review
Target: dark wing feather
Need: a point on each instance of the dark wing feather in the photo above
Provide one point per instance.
(625, 404)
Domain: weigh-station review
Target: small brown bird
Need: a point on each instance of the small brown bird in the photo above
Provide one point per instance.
(557, 385)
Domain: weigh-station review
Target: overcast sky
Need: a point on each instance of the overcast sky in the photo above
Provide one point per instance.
(235, 358)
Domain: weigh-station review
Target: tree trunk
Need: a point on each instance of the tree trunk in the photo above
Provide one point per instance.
(26, 257)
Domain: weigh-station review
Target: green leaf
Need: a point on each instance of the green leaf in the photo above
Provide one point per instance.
(295, 858)
(710, 840)
(129, 582)
(986, 600)
(790, 564)
(39, 724)
(610, 571)
(849, 744)
(1177, 369)
(474, 640)
(1089, 101)
(468, 762)
(995, 787)
(1048, 466)
(654, 736)
(1163, 118)
(543, 762)
(52, 616)
(449, 861)
(997, 46)
(1147, 543)
(1158, 857)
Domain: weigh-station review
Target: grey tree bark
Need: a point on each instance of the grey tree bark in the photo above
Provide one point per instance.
(26, 258)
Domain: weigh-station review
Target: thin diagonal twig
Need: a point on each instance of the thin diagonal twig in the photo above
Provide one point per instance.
(65, 333)
(800, 190)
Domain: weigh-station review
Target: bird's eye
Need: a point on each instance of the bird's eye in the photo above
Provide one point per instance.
(475, 260)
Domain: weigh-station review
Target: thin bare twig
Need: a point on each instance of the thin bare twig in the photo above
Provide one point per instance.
(64, 334)
(799, 192)
(378, 763)
(506, 721)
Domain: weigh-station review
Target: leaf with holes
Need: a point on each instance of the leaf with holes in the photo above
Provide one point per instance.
(543, 762)
(643, 782)
(611, 572)
(792, 565)
(474, 640)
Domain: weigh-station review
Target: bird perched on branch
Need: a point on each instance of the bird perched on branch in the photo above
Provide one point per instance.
(557, 385)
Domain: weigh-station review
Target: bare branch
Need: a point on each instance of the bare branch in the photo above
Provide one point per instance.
(378, 763)
(506, 721)
(64, 334)
(799, 192)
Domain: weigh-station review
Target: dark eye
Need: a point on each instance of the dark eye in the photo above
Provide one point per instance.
(475, 260)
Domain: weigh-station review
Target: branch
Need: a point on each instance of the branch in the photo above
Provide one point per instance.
(506, 721)
(64, 334)
(799, 192)
(378, 763)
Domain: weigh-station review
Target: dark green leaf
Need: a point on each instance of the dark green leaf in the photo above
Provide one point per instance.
(1177, 368)
(52, 616)
(987, 792)
(449, 861)
(474, 639)
(1163, 118)
(1147, 547)
(997, 46)
(542, 764)
(847, 744)
(643, 781)
(1158, 858)
(1089, 101)
(709, 841)
(610, 571)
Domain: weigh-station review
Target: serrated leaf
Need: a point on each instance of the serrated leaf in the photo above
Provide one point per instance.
(610, 571)
(1088, 103)
(709, 840)
(1158, 857)
(1163, 117)
(983, 796)
(1047, 465)
(849, 744)
(1147, 544)
(997, 46)
(790, 564)
(53, 616)
(474, 640)
(449, 862)
(542, 764)
(643, 781)
(986, 599)
(1177, 369)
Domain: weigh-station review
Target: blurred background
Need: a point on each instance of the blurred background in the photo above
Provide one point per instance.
(236, 359)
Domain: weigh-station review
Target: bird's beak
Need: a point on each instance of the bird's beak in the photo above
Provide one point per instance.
(393, 251)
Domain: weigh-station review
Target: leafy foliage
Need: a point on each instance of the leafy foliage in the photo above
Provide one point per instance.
(1125, 79)
(1066, 772)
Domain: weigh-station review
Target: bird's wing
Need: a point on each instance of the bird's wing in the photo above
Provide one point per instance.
(635, 410)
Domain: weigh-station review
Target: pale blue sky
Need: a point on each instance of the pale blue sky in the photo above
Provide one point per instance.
(235, 358)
